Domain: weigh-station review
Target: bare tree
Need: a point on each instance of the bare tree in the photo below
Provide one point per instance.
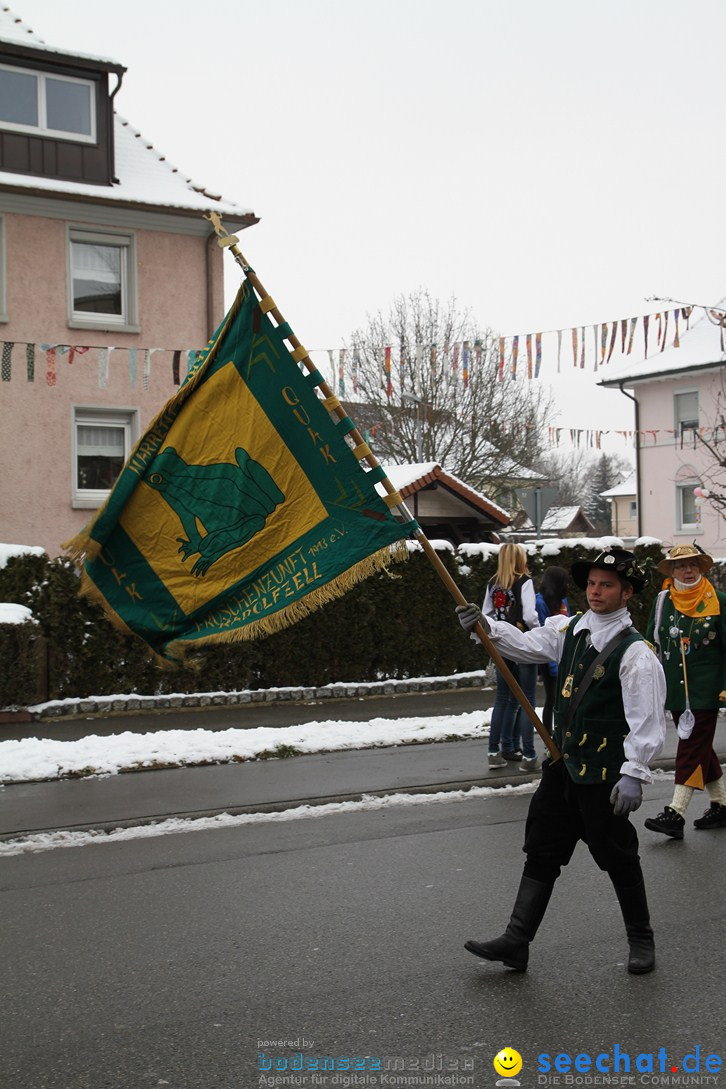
(430, 381)
(581, 475)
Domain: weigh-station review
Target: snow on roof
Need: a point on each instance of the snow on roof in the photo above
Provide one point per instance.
(403, 475)
(144, 174)
(700, 346)
(408, 478)
(561, 517)
(625, 487)
(13, 29)
(145, 177)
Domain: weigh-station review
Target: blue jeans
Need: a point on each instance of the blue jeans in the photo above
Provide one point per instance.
(509, 721)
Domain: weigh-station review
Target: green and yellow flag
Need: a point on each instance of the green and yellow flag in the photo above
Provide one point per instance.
(243, 507)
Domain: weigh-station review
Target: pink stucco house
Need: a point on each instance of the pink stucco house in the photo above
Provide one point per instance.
(678, 398)
(110, 277)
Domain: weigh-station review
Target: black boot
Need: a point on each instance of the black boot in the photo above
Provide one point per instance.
(512, 948)
(634, 906)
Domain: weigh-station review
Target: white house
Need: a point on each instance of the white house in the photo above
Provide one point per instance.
(624, 507)
(678, 398)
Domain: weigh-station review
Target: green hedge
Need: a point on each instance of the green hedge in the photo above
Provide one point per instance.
(394, 625)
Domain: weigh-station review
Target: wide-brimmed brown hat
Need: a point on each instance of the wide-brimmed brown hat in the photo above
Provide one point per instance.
(619, 560)
(685, 552)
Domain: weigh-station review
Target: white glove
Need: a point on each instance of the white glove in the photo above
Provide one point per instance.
(469, 616)
(626, 795)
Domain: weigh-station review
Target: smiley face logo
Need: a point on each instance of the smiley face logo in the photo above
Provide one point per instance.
(508, 1062)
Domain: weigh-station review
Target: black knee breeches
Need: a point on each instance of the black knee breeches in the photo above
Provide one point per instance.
(561, 813)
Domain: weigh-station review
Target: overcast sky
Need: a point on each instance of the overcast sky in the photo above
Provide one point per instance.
(551, 164)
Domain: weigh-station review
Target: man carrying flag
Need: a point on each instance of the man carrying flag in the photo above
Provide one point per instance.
(609, 724)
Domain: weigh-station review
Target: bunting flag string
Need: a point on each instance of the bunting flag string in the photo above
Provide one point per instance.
(452, 363)
(55, 354)
(603, 341)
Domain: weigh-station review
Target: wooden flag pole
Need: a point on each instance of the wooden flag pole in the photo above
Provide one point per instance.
(394, 499)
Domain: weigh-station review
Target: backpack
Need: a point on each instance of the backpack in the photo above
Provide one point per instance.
(507, 603)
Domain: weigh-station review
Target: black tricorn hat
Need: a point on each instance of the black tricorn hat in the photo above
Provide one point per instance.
(619, 560)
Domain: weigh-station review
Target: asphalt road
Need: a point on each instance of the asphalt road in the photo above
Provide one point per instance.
(174, 961)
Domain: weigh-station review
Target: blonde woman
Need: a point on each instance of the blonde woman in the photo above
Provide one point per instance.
(510, 597)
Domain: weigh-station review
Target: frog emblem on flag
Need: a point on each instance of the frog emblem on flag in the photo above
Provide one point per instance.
(220, 506)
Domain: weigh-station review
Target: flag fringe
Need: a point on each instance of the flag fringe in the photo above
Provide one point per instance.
(257, 629)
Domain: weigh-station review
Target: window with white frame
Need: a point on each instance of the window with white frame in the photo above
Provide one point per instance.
(685, 414)
(687, 515)
(101, 278)
(102, 440)
(633, 508)
(47, 104)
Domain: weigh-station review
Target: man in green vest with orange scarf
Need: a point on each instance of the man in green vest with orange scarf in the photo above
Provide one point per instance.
(609, 725)
(688, 626)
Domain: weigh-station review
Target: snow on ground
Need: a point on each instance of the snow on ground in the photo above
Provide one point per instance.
(49, 841)
(39, 758)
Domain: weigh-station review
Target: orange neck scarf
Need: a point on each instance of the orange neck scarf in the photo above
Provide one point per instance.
(699, 600)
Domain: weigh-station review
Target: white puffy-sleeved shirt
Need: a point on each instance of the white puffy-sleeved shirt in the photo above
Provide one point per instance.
(641, 675)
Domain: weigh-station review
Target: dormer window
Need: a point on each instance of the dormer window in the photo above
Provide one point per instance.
(47, 105)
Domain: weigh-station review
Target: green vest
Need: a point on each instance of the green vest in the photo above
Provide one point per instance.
(592, 744)
(705, 655)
